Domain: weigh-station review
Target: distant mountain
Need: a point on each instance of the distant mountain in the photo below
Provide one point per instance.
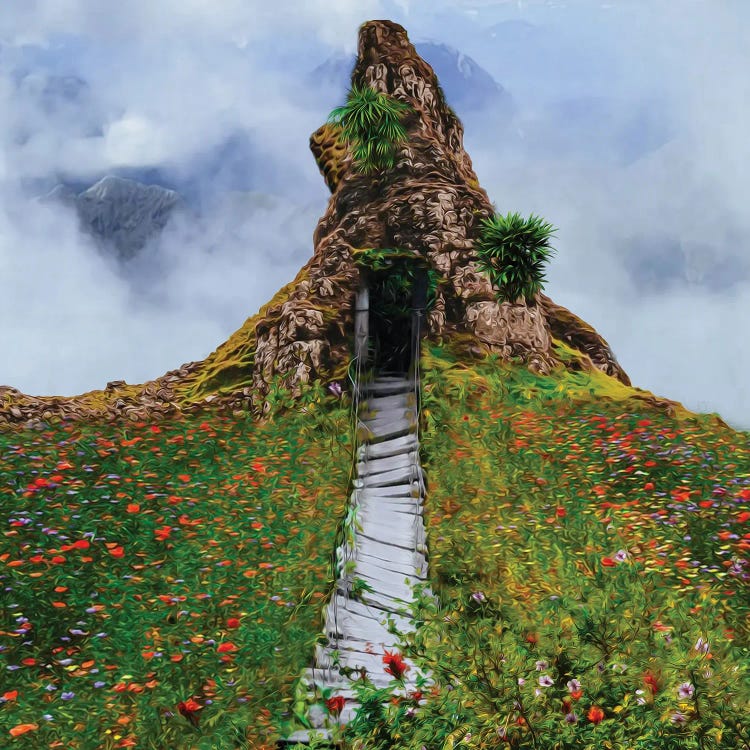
(467, 86)
(121, 213)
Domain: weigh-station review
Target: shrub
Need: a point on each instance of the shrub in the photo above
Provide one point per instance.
(512, 251)
(371, 124)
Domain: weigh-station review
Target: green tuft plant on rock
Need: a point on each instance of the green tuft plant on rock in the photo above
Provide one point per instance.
(512, 251)
(371, 124)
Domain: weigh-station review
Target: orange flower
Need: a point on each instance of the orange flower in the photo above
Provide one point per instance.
(595, 715)
(163, 532)
(226, 647)
(133, 507)
(22, 729)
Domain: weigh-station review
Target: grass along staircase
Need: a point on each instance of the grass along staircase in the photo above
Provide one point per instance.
(383, 556)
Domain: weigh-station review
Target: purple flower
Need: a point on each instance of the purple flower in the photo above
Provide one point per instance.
(621, 555)
(679, 718)
(99, 684)
(335, 389)
(541, 665)
(478, 596)
(571, 718)
(686, 690)
(546, 681)
(574, 686)
(702, 646)
(68, 696)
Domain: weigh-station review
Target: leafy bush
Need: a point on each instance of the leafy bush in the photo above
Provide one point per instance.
(371, 124)
(512, 251)
(575, 675)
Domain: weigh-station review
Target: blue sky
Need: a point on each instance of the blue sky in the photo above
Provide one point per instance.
(652, 248)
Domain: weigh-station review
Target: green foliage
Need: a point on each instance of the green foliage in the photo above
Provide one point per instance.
(575, 539)
(512, 251)
(395, 271)
(137, 549)
(574, 674)
(371, 124)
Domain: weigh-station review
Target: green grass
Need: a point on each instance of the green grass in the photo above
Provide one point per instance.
(571, 524)
(576, 533)
(146, 564)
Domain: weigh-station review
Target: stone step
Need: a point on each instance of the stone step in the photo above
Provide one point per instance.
(407, 539)
(389, 463)
(367, 621)
(388, 642)
(392, 585)
(386, 386)
(410, 506)
(404, 570)
(369, 571)
(385, 402)
(388, 447)
(402, 475)
(385, 431)
(396, 492)
(389, 555)
(404, 526)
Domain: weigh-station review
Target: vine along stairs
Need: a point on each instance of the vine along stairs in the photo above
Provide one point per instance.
(383, 556)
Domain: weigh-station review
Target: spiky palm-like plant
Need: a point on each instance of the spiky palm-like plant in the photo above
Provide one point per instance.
(512, 251)
(371, 123)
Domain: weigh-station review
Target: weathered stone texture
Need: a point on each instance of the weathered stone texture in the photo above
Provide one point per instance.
(430, 204)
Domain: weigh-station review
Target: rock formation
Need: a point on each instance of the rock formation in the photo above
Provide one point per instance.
(430, 204)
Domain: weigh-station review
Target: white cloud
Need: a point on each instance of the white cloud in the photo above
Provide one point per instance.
(169, 80)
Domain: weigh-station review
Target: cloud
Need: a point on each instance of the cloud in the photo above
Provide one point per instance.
(167, 83)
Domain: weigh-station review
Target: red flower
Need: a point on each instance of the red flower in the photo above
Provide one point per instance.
(560, 512)
(335, 705)
(395, 664)
(226, 647)
(595, 714)
(188, 709)
(608, 562)
(652, 682)
(233, 622)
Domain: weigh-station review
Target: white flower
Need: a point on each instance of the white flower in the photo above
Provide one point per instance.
(686, 690)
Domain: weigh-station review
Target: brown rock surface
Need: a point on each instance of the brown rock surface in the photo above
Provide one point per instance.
(430, 204)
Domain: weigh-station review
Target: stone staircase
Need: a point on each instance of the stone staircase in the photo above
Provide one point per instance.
(383, 556)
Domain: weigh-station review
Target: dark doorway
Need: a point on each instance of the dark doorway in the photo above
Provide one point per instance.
(395, 301)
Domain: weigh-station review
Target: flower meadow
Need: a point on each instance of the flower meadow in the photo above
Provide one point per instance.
(589, 566)
(162, 584)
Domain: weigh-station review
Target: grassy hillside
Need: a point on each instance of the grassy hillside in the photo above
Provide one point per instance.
(590, 557)
(581, 541)
(144, 565)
